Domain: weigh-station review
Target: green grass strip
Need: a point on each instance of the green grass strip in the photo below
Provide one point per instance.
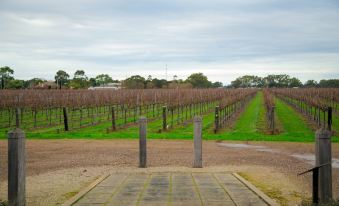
(248, 120)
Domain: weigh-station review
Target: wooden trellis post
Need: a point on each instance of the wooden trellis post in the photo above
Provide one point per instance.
(64, 109)
(164, 118)
(216, 119)
(113, 119)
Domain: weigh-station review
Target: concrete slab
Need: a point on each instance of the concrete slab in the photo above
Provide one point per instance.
(172, 188)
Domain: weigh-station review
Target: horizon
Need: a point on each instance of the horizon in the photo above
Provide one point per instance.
(221, 39)
(169, 79)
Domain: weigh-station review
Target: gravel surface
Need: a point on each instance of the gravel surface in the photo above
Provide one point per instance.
(57, 169)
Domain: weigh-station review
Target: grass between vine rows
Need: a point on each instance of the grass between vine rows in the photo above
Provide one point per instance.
(249, 126)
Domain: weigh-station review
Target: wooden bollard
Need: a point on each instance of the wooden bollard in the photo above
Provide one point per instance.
(323, 155)
(16, 168)
(142, 142)
(197, 142)
(64, 109)
(164, 118)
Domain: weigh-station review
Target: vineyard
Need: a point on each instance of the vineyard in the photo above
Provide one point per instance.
(114, 114)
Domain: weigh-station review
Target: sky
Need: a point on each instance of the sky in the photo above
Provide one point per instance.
(223, 39)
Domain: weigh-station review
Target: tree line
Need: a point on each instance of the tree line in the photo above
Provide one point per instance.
(79, 80)
(280, 81)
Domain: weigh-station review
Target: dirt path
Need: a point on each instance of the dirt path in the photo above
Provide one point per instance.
(59, 168)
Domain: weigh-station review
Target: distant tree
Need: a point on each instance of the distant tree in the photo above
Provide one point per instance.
(93, 82)
(199, 80)
(159, 83)
(33, 82)
(247, 81)
(311, 83)
(103, 79)
(16, 84)
(61, 78)
(185, 85)
(179, 84)
(80, 74)
(294, 82)
(217, 84)
(79, 80)
(280, 80)
(6, 74)
(330, 83)
(135, 82)
(236, 83)
(150, 85)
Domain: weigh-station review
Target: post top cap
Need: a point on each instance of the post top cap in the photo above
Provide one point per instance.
(323, 133)
(11, 134)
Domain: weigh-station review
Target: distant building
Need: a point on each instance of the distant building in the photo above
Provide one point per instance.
(109, 86)
(46, 85)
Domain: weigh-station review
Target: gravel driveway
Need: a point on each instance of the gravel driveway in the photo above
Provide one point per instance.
(57, 169)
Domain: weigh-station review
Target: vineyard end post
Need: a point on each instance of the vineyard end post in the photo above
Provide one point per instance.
(64, 109)
(164, 118)
(273, 119)
(142, 142)
(323, 156)
(216, 119)
(16, 168)
(197, 142)
(17, 117)
(329, 118)
(113, 119)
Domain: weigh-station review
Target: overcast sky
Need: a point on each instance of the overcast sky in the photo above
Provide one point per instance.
(223, 39)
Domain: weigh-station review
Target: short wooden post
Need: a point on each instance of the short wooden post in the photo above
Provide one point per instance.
(64, 109)
(197, 142)
(113, 119)
(16, 168)
(216, 119)
(323, 155)
(142, 142)
(164, 118)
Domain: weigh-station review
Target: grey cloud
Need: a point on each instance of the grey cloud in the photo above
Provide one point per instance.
(215, 37)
